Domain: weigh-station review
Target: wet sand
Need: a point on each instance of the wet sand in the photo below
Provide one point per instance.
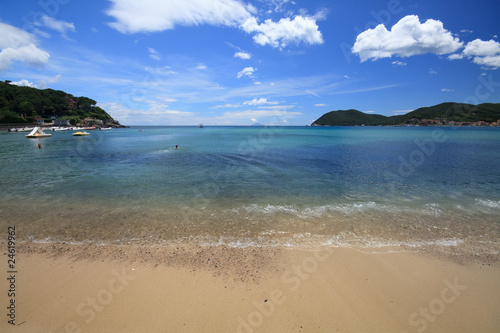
(78, 288)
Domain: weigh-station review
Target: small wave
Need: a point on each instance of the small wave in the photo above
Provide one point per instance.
(488, 203)
(433, 209)
(310, 241)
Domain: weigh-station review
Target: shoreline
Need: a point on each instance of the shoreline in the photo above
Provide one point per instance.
(77, 288)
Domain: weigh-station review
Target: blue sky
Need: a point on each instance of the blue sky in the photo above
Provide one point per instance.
(231, 62)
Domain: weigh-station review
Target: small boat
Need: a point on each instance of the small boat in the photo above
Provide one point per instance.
(105, 128)
(25, 129)
(81, 133)
(201, 125)
(37, 133)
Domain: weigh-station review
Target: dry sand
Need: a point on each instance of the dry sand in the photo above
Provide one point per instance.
(76, 288)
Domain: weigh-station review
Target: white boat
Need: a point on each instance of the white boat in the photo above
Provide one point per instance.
(105, 128)
(37, 133)
(25, 129)
(81, 133)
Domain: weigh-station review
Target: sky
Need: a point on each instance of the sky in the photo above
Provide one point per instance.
(232, 62)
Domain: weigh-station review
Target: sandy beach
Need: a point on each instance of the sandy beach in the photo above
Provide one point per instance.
(88, 288)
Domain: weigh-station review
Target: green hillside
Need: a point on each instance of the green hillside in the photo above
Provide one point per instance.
(442, 114)
(25, 104)
(349, 118)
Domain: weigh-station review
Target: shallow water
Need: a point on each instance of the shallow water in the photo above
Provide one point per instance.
(246, 186)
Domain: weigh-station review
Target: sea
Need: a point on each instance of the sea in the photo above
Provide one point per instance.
(305, 187)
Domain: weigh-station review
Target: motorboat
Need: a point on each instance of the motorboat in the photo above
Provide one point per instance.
(79, 133)
(37, 133)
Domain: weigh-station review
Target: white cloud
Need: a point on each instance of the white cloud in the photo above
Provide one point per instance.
(260, 101)
(398, 112)
(406, 38)
(320, 105)
(447, 90)
(247, 71)
(151, 15)
(154, 113)
(243, 55)
(51, 23)
(227, 105)
(153, 54)
(280, 34)
(484, 53)
(19, 45)
(42, 83)
(201, 67)
(399, 63)
(23, 83)
(313, 93)
(277, 107)
(160, 71)
(455, 56)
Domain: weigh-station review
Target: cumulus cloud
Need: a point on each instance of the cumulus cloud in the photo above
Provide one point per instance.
(243, 55)
(284, 32)
(484, 53)
(23, 83)
(201, 67)
(42, 84)
(19, 45)
(247, 71)
(406, 38)
(399, 63)
(151, 15)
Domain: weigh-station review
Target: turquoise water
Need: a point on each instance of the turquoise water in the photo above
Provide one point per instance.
(289, 186)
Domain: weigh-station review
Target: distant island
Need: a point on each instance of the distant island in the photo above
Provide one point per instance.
(445, 114)
(26, 105)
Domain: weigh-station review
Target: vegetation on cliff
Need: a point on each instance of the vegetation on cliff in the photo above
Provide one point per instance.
(457, 114)
(26, 104)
